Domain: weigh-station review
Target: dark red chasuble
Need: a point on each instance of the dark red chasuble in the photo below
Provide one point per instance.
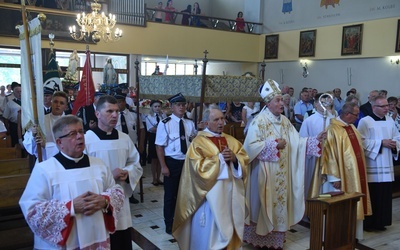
(360, 163)
(220, 142)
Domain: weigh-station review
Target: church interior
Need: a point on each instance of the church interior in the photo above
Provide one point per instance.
(322, 45)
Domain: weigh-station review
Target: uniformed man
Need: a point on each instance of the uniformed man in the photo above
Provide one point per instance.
(174, 134)
(127, 123)
(47, 96)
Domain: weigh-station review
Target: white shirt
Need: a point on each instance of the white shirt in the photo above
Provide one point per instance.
(11, 111)
(130, 119)
(151, 120)
(168, 136)
(3, 102)
(2, 127)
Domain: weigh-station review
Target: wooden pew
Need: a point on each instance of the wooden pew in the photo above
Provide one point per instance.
(10, 153)
(14, 231)
(5, 142)
(11, 189)
(234, 129)
(14, 166)
(12, 221)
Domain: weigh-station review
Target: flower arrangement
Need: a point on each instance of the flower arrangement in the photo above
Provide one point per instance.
(145, 103)
(165, 104)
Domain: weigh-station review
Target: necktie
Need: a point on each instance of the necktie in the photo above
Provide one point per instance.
(157, 118)
(123, 123)
(182, 136)
(18, 101)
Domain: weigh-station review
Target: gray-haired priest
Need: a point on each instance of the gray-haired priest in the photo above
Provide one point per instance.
(71, 200)
(210, 208)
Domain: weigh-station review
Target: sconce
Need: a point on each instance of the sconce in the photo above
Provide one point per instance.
(392, 61)
(304, 65)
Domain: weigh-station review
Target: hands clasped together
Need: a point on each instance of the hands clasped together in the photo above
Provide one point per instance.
(89, 203)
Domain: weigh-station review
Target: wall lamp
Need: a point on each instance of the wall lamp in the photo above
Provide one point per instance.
(395, 60)
(304, 65)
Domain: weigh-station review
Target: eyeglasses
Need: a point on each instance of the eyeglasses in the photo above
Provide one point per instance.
(356, 115)
(72, 133)
(382, 106)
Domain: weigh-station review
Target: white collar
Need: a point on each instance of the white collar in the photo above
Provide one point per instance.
(71, 158)
(213, 133)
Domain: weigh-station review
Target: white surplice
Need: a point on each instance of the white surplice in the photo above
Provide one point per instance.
(312, 126)
(379, 164)
(122, 154)
(50, 187)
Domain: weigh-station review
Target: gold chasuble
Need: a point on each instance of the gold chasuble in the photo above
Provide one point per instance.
(199, 179)
(343, 157)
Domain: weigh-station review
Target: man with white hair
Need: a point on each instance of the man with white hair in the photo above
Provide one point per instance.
(275, 192)
(210, 207)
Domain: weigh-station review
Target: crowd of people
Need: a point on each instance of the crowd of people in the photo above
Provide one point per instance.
(191, 16)
(218, 192)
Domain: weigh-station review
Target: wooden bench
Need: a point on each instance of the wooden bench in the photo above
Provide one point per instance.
(10, 153)
(14, 231)
(5, 142)
(11, 189)
(14, 166)
(235, 130)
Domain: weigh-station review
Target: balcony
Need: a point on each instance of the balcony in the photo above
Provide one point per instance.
(201, 21)
(62, 13)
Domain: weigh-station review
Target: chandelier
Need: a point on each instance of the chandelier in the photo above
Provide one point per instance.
(95, 27)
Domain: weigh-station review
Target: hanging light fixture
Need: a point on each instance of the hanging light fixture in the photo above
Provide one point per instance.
(95, 27)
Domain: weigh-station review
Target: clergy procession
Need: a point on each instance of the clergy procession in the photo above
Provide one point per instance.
(233, 174)
(219, 192)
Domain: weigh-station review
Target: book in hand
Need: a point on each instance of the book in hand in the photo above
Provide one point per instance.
(220, 142)
(331, 194)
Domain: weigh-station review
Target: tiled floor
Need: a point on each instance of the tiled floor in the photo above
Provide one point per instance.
(148, 221)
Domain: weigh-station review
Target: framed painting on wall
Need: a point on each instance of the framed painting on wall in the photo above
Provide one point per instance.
(307, 43)
(271, 47)
(398, 37)
(352, 40)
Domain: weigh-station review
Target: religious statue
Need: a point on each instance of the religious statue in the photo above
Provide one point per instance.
(72, 74)
(109, 73)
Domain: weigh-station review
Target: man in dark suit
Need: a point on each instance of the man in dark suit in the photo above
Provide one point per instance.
(87, 113)
(366, 108)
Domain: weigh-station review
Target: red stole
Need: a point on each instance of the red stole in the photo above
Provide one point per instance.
(360, 163)
(219, 141)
